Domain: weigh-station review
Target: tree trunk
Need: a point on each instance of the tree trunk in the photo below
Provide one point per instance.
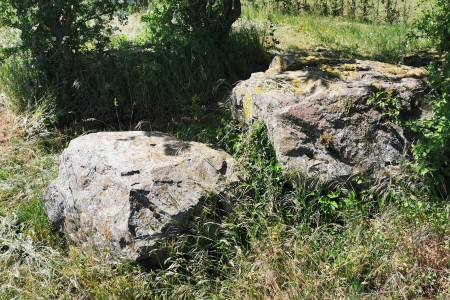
(215, 18)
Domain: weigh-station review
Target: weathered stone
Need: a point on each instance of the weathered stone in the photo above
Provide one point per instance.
(320, 116)
(128, 190)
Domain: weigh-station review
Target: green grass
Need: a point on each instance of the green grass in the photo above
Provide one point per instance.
(24, 173)
(368, 11)
(346, 38)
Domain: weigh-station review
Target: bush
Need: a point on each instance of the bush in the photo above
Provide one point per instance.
(433, 146)
(56, 30)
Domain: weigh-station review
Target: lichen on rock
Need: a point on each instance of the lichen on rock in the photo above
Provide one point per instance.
(319, 117)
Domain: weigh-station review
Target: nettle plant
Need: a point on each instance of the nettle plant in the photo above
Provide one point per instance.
(55, 29)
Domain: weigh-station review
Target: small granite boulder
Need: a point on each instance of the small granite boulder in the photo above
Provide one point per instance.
(124, 191)
(325, 117)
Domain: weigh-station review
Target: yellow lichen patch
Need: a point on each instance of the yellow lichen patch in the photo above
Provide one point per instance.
(275, 66)
(342, 105)
(277, 62)
(257, 90)
(348, 106)
(298, 81)
(407, 72)
(298, 85)
(327, 68)
(352, 74)
(327, 139)
(335, 87)
(348, 67)
(273, 71)
(248, 107)
(400, 71)
(338, 73)
(298, 90)
(343, 72)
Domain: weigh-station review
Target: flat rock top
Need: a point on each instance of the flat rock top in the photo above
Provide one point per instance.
(322, 116)
(122, 149)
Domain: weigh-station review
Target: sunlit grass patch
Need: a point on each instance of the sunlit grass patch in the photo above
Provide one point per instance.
(346, 38)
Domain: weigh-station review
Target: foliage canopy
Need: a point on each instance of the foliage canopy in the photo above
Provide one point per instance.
(215, 17)
(59, 29)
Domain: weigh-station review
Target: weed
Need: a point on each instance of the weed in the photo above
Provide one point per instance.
(389, 105)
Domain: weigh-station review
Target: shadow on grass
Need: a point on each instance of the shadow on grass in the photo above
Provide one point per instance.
(131, 84)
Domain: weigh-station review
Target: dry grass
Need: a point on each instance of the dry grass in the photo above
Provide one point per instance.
(388, 257)
(10, 126)
(132, 29)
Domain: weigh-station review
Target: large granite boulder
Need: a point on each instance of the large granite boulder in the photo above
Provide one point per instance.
(128, 190)
(332, 119)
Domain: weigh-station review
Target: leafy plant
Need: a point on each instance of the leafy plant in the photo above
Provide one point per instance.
(257, 156)
(434, 130)
(389, 105)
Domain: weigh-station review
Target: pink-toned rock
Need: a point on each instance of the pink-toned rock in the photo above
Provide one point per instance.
(320, 118)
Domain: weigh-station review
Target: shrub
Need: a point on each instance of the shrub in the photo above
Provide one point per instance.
(434, 131)
(55, 30)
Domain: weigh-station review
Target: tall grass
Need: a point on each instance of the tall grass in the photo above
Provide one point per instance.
(130, 83)
(372, 11)
(286, 237)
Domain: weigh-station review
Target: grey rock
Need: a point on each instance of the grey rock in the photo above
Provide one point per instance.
(126, 191)
(320, 118)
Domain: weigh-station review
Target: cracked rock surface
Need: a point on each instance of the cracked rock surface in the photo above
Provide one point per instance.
(330, 119)
(125, 191)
